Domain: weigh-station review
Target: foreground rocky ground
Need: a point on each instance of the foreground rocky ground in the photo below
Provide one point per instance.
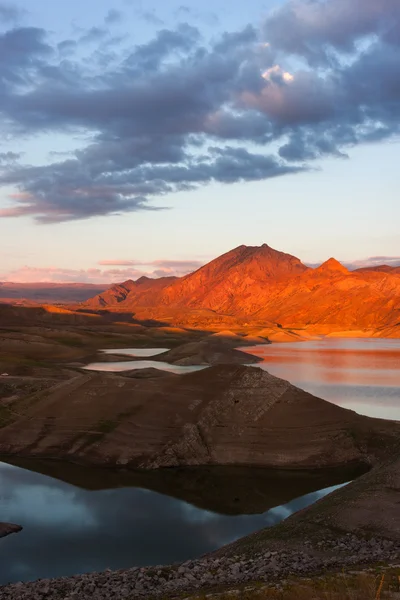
(212, 574)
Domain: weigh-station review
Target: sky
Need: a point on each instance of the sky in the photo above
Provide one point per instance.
(148, 137)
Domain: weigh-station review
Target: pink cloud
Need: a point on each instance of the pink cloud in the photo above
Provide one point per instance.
(171, 267)
(375, 261)
(52, 274)
(57, 275)
(119, 263)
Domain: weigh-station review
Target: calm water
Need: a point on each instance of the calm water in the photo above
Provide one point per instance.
(360, 374)
(69, 529)
(127, 365)
(136, 351)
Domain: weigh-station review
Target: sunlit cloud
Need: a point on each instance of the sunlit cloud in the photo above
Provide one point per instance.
(277, 73)
(124, 269)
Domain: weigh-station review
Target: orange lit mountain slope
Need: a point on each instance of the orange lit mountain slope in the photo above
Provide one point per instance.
(260, 284)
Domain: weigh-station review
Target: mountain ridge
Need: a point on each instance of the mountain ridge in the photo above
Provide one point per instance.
(259, 283)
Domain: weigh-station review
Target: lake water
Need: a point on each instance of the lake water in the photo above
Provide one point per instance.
(69, 529)
(144, 352)
(127, 365)
(361, 374)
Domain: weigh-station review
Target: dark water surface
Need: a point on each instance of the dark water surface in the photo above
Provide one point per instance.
(69, 529)
(362, 374)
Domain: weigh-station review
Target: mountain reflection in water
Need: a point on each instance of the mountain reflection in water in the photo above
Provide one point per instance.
(129, 519)
(362, 374)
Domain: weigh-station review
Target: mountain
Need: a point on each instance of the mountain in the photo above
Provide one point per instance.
(224, 285)
(260, 285)
(49, 292)
(332, 267)
(236, 281)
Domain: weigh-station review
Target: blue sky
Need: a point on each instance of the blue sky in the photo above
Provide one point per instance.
(150, 137)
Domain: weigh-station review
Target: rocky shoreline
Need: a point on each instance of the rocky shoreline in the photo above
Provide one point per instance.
(213, 572)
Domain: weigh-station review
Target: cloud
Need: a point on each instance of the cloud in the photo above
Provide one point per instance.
(316, 30)
(113, 16)
(150, 17)
(174, 267)
(9, 157)
(23, 51)
(182, 111)
(58, 275)
(9, 13)
(95, 34)
(125, 269)
(186, 12)
(374, 261)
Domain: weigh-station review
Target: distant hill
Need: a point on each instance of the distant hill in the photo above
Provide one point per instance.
(380, 269)
(257, 284)
(50, 292)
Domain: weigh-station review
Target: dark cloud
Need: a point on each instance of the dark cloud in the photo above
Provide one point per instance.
(89, 185)
(9, 157)
(315, 30)
(95, 34)
(113, 16)
(67, 46)
(149, 56)
(179, 111)
(187, 12)
(9, 13)
(22, 51)
(150, 17)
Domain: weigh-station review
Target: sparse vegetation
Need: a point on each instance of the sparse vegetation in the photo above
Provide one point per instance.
(361, 586)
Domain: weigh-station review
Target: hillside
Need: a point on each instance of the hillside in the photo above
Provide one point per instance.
(262, 286)
(380, 269)
(121, 295)
(236, 415)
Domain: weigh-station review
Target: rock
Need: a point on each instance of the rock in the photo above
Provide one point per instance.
(8, 528)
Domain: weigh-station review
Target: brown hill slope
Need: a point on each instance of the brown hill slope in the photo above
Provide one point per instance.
(259, 284)
(122, 295)
(235, 415)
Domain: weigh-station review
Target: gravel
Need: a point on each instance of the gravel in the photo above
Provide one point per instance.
(265, 565)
